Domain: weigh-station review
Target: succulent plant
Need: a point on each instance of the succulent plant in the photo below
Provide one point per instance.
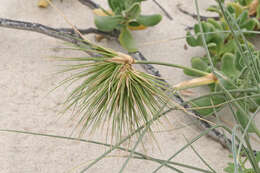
(125, 16)
(236, 66)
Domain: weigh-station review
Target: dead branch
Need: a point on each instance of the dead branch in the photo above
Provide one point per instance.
(65, 34)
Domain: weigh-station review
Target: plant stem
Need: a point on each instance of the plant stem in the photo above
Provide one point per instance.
(202, 73)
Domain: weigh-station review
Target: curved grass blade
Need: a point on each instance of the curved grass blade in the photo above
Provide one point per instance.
(187, 145)
(139, 155)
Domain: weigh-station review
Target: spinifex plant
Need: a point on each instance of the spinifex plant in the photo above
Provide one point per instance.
(125, 15)
(112, 92)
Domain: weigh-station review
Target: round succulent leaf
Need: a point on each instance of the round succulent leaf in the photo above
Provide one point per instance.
(215, 23)
(249, 25)
(149, 20)
(217, 38)
(213, 37)
(228, 66)
(197, 28)
(228, 47)
(126, 40)
(212, 45)
(214, 8)
(206, 27)
(191, 40)
(196, 63)
(239, 63)
(108, 23)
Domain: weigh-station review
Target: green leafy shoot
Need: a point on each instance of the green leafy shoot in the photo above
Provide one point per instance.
(125, 16)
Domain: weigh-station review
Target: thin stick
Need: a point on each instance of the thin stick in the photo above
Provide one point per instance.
(163, 9)
(89, 3)
(195, 16)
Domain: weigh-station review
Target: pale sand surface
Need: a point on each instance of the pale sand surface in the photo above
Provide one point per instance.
(27, 76)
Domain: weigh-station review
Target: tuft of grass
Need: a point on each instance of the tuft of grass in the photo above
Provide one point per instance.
(112, 92)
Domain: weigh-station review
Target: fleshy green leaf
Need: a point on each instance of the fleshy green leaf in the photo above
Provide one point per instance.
(196, 63)
(239, 61)
(117, 6)
(191, 40)
(107, 23)
(149, 20)
(134, 11)
(215, 23)
(230, 46)
(249, 25)
(214, 8)
(228, 66)
(127, 41)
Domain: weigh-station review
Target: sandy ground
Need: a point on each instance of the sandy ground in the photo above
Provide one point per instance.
(27, 77)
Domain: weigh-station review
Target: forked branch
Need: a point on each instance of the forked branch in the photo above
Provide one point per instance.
(65, 34)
